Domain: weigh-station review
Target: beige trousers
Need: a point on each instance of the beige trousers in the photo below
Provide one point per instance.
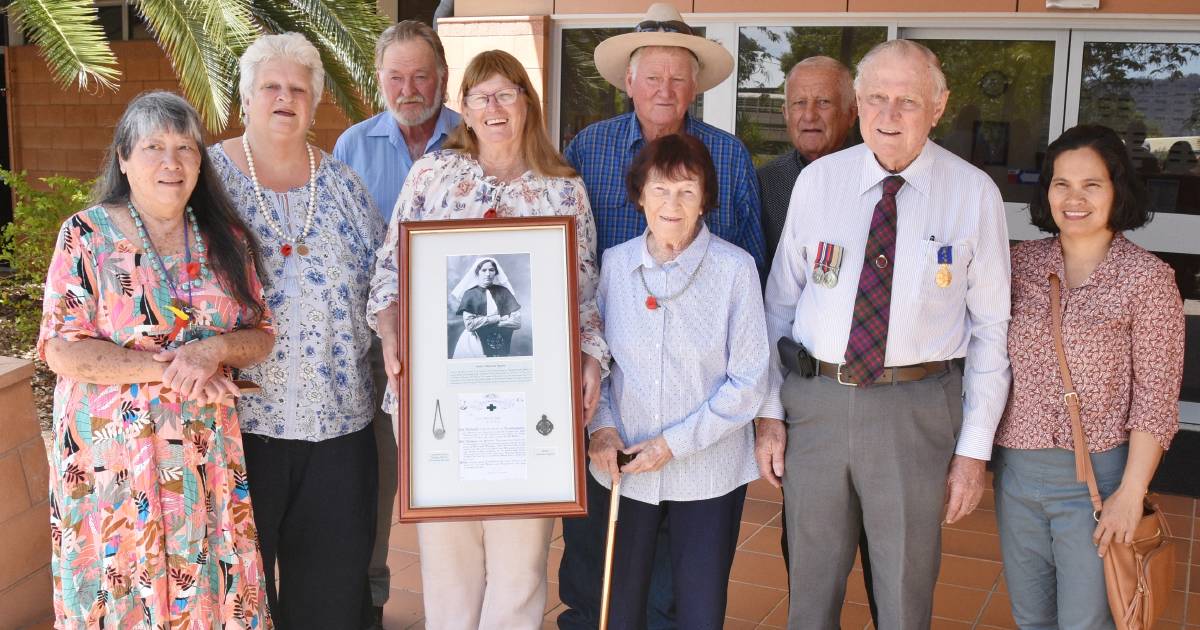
(484, 575)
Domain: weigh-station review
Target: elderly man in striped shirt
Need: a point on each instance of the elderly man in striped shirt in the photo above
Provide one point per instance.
(892, 268)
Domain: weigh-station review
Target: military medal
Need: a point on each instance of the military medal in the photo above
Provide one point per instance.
(945, 259)
(827, 265)
(544, 426)
(835, 265)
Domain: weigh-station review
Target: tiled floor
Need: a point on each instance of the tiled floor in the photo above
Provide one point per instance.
(970, 591)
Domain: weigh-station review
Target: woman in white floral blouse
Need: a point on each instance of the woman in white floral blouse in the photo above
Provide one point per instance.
(310, 448)
(499, 162)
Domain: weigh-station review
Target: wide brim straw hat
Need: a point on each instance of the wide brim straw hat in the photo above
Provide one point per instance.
(612, 55)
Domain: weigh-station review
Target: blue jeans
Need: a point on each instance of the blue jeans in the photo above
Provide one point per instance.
(1055, 579)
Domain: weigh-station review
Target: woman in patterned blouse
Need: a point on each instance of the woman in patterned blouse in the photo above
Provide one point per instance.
(151, 296)
(1122, 326)
(499, 162)
(310, 447)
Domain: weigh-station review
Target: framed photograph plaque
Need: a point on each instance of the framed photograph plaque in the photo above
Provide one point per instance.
(490, 393)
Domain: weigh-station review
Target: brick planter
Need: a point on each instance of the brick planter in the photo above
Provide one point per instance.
(25, 594)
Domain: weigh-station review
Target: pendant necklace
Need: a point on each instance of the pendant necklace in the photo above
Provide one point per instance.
(290, 242)
(195, 271)
(654, 301)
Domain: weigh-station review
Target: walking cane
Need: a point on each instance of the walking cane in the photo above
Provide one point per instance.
(614, 503)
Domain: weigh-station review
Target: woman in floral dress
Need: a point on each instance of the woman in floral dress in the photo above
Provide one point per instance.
(151, 297)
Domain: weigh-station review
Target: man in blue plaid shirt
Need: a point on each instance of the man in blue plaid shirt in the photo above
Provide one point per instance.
(662, 66)
(663, 80)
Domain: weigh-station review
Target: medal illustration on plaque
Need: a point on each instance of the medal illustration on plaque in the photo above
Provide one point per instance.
(544, 426)
(828, 265)
(945, 259)
(439, 426)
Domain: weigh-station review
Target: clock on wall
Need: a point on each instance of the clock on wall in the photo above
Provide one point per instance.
(993, 83)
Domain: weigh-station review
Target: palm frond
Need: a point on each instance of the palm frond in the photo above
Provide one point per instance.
(71, 40)
(344, 32)
(205, 64)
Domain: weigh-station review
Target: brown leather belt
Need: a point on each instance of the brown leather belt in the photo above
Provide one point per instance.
(890, 375)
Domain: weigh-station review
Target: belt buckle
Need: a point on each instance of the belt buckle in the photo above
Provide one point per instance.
(839, 377)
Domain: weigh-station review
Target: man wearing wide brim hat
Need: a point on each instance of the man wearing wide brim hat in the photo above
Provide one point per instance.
(662, 65)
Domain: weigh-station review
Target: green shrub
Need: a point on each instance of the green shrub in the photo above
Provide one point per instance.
(27, 242)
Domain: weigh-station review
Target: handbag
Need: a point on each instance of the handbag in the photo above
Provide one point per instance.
(1138, 576)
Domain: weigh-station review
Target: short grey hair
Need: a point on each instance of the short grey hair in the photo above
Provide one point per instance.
(637, 55)
(904, 47)
(820, 62)
(288, 46)
(148, 114)
(412, 30)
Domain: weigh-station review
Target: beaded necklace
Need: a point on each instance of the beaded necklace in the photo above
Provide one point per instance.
(195, 271)
(289, 241)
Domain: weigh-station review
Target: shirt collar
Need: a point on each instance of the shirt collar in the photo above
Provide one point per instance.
(917, 175)
(635, 128)
(1104, 273)
(688, 261)
(387, 126)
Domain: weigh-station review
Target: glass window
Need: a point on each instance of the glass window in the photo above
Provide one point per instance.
(765, 54)
(585, 96)
(998, 115)
(138, 29)
(1150, 94)
(110, 21)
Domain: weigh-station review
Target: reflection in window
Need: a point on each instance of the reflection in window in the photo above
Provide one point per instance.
(765, 54)
(1150, 94)
(998, 114)
(585, 96)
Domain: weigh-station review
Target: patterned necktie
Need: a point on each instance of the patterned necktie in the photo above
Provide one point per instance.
(872, 307)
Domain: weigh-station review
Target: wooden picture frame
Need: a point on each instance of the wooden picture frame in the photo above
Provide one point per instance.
(491, 409)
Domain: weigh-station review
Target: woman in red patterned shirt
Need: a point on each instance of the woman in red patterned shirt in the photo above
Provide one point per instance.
(1123, 334)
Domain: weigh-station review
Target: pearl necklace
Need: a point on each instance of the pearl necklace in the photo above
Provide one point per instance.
(288, 239)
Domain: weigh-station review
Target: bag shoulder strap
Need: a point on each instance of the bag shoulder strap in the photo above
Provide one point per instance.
(1083, 462)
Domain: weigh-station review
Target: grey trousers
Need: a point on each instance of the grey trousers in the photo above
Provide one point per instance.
(379, 576)
(1055, 579)
(873, 458)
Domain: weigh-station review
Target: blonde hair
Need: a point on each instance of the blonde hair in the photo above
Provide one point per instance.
(539, 153)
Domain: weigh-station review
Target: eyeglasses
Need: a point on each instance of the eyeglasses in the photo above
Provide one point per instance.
(669, 26)
(507, 96)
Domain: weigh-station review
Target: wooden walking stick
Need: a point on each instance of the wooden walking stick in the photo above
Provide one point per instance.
(614, 503)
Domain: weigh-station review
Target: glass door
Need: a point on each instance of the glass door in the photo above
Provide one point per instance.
(1006, 104)
(1146, 86)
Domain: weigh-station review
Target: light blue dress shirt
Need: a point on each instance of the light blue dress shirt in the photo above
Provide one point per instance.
(694, 370)
(375, 149)
(946, 204)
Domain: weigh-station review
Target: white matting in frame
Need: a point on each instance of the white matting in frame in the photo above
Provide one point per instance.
(521, 398)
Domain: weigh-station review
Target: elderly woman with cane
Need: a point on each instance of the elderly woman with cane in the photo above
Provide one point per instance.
(684, 322)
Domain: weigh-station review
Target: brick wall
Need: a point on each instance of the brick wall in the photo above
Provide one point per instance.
(25, 594)
(65, 131)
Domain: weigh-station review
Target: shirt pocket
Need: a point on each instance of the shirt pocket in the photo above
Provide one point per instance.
(942, 284)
